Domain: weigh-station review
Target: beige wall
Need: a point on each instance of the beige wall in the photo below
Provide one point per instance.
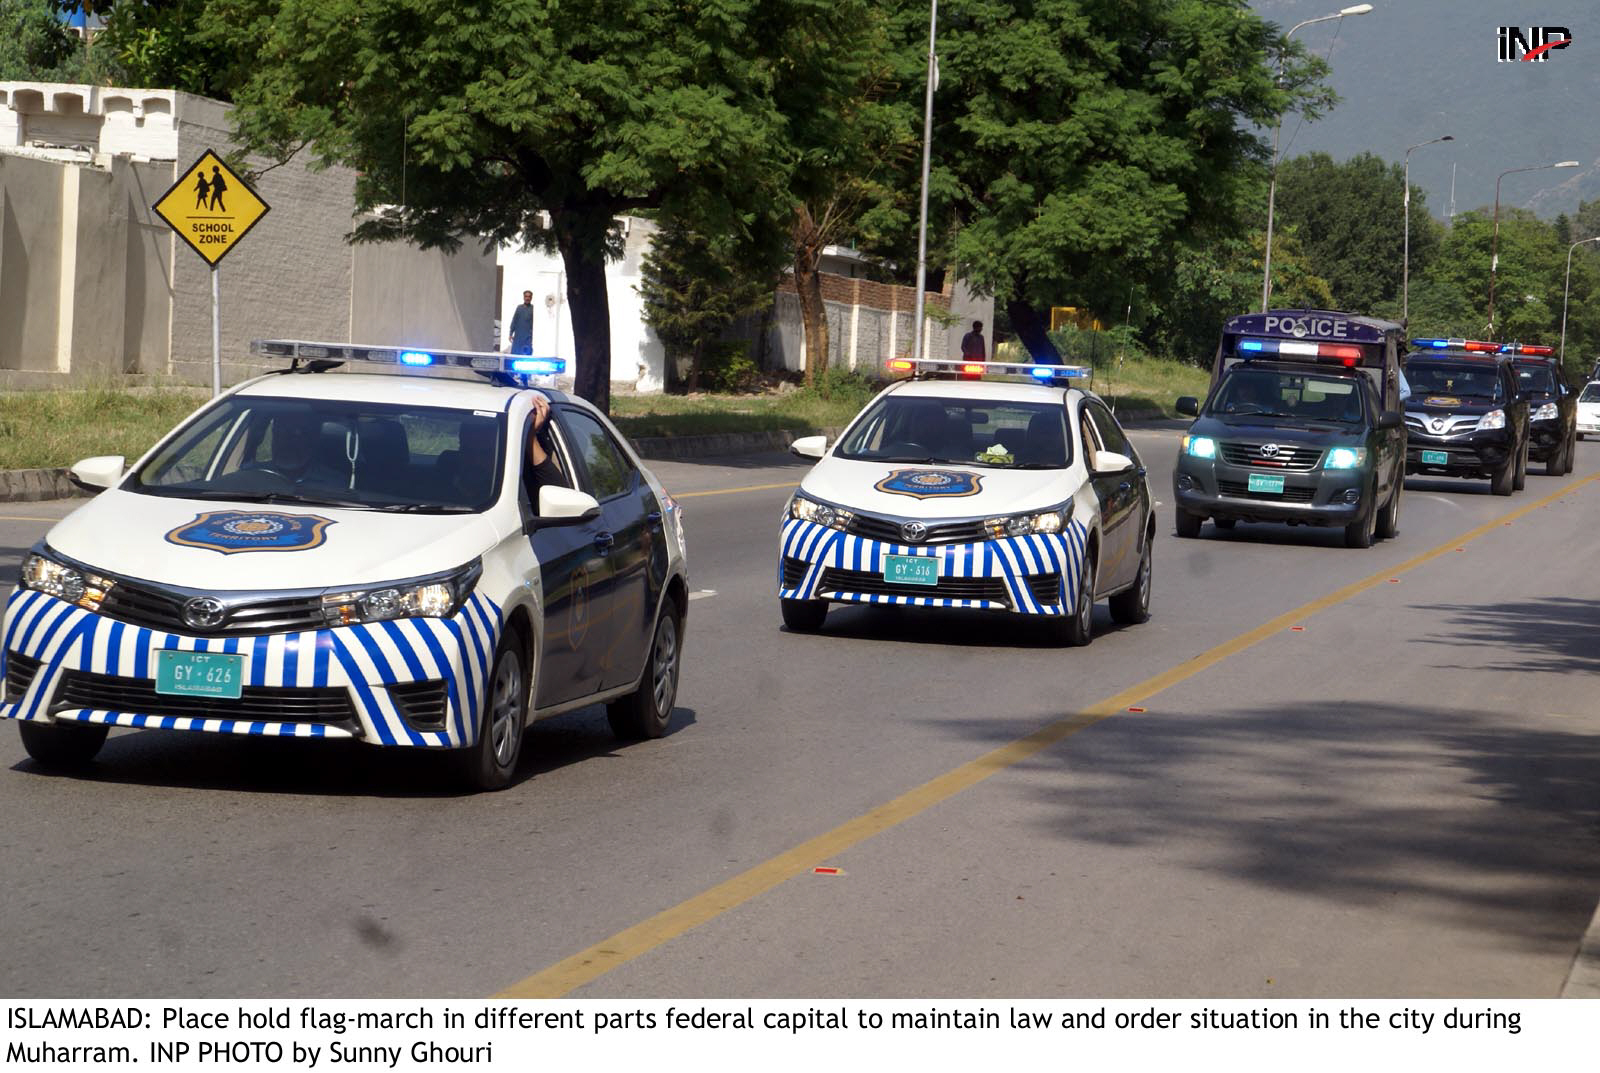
(147, 297)
(30, 263)
(423, 298)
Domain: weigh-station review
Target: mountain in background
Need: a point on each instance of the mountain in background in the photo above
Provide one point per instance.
(1412, 70)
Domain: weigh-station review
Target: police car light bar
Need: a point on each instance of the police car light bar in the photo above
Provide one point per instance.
(1528, 349)
(968, 370)
(1341, 351)
(488, 363)
(1472, 345)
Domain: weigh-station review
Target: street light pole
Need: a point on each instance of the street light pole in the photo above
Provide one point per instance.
(1405, 271)
(927, 152)
(1272, 185)
(1566, 290)
(1494, 243)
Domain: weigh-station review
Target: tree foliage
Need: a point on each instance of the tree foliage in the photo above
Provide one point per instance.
(167, 44)
(35, 46)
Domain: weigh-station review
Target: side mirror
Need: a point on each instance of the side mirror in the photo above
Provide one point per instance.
(1189, 406)
(563, 506)
(1393, 419)
(1109, 462)
(97, 473)
(809, 446)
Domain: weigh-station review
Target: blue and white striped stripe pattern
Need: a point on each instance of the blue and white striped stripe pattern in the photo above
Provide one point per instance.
(365, 659)
(1011, 559)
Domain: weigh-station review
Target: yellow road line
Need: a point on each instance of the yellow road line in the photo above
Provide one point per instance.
(731, 491)
(589, 965)
(26, 518)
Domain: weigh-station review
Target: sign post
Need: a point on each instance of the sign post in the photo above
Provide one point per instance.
(222, 211)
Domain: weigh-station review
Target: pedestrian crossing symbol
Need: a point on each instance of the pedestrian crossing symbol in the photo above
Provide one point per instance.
(210, 207)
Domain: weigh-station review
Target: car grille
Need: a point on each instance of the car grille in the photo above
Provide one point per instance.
(1454, 424)
(155, 608)
(421, 703)
(888, 530)
(1289, 458)
(20, 671)
(992, 589)
(104, 692)
(794, 572)
(1239, 490)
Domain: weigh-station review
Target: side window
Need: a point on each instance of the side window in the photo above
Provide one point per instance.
(610, 472)
(1088, 437)
(1110, 433)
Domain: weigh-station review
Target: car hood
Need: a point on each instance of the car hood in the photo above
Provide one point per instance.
(1451, 404)
(1589, 407)
(908, 490)
(1321, 434)
(222, 546)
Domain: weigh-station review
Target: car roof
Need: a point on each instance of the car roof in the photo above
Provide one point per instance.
(395, 389)
(988, 390)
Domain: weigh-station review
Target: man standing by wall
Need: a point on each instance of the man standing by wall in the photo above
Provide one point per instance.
(522, 326)
(973, 348)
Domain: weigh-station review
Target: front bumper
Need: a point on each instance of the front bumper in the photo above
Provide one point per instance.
(1215, 489)
(1029, 575)
(1476, 454)
(411, 682)
(1545, 438)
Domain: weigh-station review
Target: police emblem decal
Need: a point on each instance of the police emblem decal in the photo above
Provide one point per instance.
(930, 483)
(230, 531)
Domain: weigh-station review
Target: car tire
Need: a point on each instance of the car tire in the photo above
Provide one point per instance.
(1580, 435)
(646, 711)
(1131, 606)
(1077, 629)
(1188, 525)
(1504, 479)
(1572, 453)
(803, 616)
(62, 745)
(1361, 532)
(1521, 480)
(1225, 524)
(1389, 518)
(491, 761)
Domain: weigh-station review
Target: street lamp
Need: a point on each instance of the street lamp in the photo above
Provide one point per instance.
(1565, 290)
(1272, 186)
(927, 150)
(1494, 244)
(1405, 272)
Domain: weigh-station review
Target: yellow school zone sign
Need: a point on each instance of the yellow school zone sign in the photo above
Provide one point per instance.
(210, 207)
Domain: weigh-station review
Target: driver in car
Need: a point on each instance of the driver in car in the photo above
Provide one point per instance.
(296, 435)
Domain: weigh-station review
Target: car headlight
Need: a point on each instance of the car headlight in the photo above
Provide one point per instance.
(431, 597)
(1547, 412)
(1045, 521)
(81, 587)
(1345, 458)
(1200, 446)
(809, 510)
(1492, 420)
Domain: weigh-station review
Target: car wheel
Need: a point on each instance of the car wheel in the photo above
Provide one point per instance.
(803, 616)
(1360, 533)
(1389, 520)
(1572, 452)
(490, 762)
(646, 711)
(1504, 478)
(1077, 629)
(1132, 606)
(1580, 435)
(62, 745)
(1188, 525)
(1521, 481)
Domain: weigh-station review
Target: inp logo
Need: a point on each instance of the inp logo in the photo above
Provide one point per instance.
(1536, 46)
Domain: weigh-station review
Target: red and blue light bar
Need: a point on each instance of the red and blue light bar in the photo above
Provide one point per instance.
(488, 363)
(1343, 352)
(1481, 346)
(975, 370)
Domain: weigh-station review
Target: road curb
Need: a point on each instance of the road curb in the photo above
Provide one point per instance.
(1583, 980)
(32, 485)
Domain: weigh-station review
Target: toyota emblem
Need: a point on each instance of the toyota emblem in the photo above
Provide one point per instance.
(203, 612)
(913, 531)
(1269, 450)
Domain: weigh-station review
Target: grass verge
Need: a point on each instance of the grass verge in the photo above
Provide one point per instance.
(40, 429)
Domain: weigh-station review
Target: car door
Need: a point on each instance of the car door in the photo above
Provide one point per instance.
(632, 521)
(575, 572)
(1124, 502)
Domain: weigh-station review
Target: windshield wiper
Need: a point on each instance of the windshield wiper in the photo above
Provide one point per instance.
(418, 508)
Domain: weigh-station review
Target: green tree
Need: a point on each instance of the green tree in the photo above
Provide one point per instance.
(1586, 224)
(166, 44)
(538, 122)
(36, 46)
(1081, 145)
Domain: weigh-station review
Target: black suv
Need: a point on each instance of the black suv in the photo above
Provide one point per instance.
(1466, 416)
(1552, 407)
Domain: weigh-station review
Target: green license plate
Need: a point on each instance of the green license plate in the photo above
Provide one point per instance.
(911, 569)
(199, 674)
(1435, 458)
(1266, 482)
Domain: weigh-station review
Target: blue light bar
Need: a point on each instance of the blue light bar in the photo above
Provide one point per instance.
(1044, 373)
(1252, 344)
(1437, 344)
(415, 357)
(543, 366)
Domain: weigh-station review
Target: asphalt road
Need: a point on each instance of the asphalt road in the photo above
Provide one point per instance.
(1398, 798)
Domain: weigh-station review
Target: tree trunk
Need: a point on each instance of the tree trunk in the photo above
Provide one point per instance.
(696, 358)
(1033, 331)
(581, 237)
(808, 283)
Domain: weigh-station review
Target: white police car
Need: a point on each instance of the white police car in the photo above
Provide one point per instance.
(1023, 496)
(356, 556)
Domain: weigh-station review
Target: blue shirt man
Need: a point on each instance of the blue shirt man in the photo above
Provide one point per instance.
(522, 326)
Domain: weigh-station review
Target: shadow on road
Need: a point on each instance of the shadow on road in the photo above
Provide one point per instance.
(1559, 635)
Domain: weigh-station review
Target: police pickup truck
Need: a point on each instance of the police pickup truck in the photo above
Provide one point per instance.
(1302, 426)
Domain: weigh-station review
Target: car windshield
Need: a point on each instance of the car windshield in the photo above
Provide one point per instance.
(1536, 378)
(1450, 378)
(331, 453)
(1284, 393)
(985, 432)
(1591, 393)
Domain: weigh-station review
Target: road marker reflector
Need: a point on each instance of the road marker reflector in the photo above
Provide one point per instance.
(827, 871)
